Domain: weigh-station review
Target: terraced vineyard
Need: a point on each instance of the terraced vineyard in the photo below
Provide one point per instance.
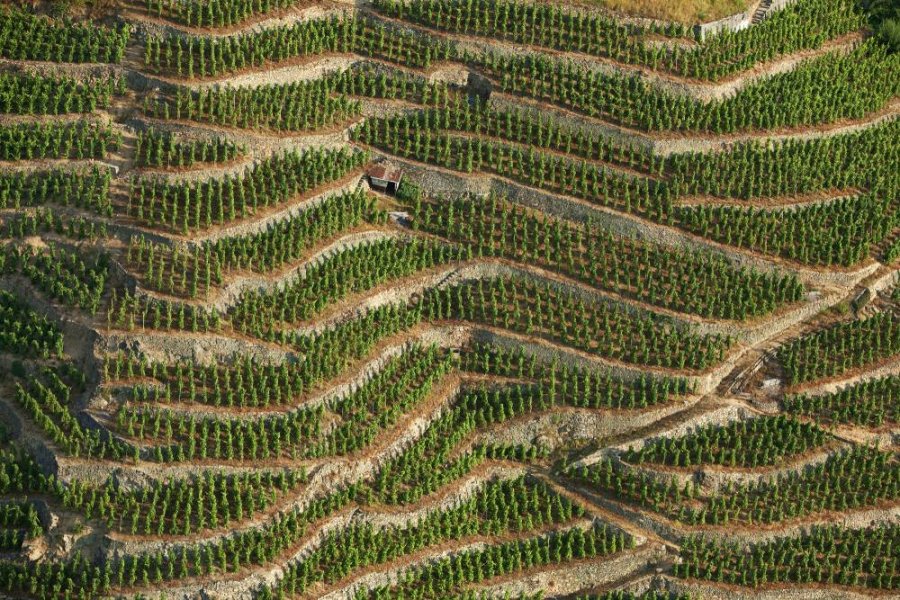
(445, 299)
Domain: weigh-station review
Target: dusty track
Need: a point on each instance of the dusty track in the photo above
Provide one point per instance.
(656, 536)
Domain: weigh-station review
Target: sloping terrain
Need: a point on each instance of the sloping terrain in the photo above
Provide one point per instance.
(624, 324)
